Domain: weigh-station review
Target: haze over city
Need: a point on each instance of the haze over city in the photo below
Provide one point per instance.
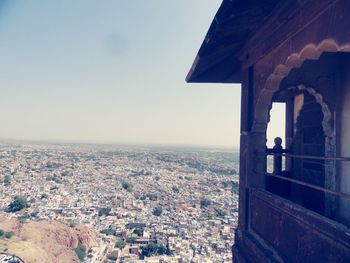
(120, 142)
(110, 72)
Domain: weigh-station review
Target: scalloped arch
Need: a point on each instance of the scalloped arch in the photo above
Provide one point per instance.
(273, 81)
(327, 115)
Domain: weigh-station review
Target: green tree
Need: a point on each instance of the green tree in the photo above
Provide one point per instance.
(34, 214)
(9, 234)
(44, 196)
(23, 217)
(205, 202)
(7, 180)
(81, 252)
(110, 231)
(153, 249)
(214, 246)
(220, 213)
(175, 189)
(127, 186)
(2, 233)
(157, 178)
(157, 211)
(225, 184)
(138, 231)
(152, 196)
(234, 186)
(104, 211)
(131, 240)
(18, 203)
(120, 244)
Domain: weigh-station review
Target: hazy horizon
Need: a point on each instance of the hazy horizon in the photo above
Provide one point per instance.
(120, 144)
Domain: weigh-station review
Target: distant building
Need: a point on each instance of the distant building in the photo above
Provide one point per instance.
(113, 256)
(134, 250)
(295, 53)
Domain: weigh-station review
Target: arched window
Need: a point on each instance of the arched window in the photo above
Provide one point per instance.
(317, 138)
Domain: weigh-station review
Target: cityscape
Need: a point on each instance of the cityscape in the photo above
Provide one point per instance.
(139, 203)
(202, 131)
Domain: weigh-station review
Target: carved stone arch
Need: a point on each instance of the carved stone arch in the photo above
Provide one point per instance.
(330, 145)
(272, 83)
(327, 115)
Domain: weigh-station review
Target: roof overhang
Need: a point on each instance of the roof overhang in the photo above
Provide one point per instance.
(218, 59)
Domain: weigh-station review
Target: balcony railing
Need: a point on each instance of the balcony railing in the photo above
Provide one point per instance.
(277, 152)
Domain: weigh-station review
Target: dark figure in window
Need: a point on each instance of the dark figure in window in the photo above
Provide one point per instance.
(276, 185)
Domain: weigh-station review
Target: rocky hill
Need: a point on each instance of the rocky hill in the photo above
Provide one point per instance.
(45, 241)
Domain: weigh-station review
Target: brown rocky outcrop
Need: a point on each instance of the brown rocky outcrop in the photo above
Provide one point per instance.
(46, 241)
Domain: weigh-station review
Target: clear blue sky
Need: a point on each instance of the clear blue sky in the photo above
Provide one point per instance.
(110, 71)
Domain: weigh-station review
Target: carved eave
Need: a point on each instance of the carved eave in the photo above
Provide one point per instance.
(243, 32)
